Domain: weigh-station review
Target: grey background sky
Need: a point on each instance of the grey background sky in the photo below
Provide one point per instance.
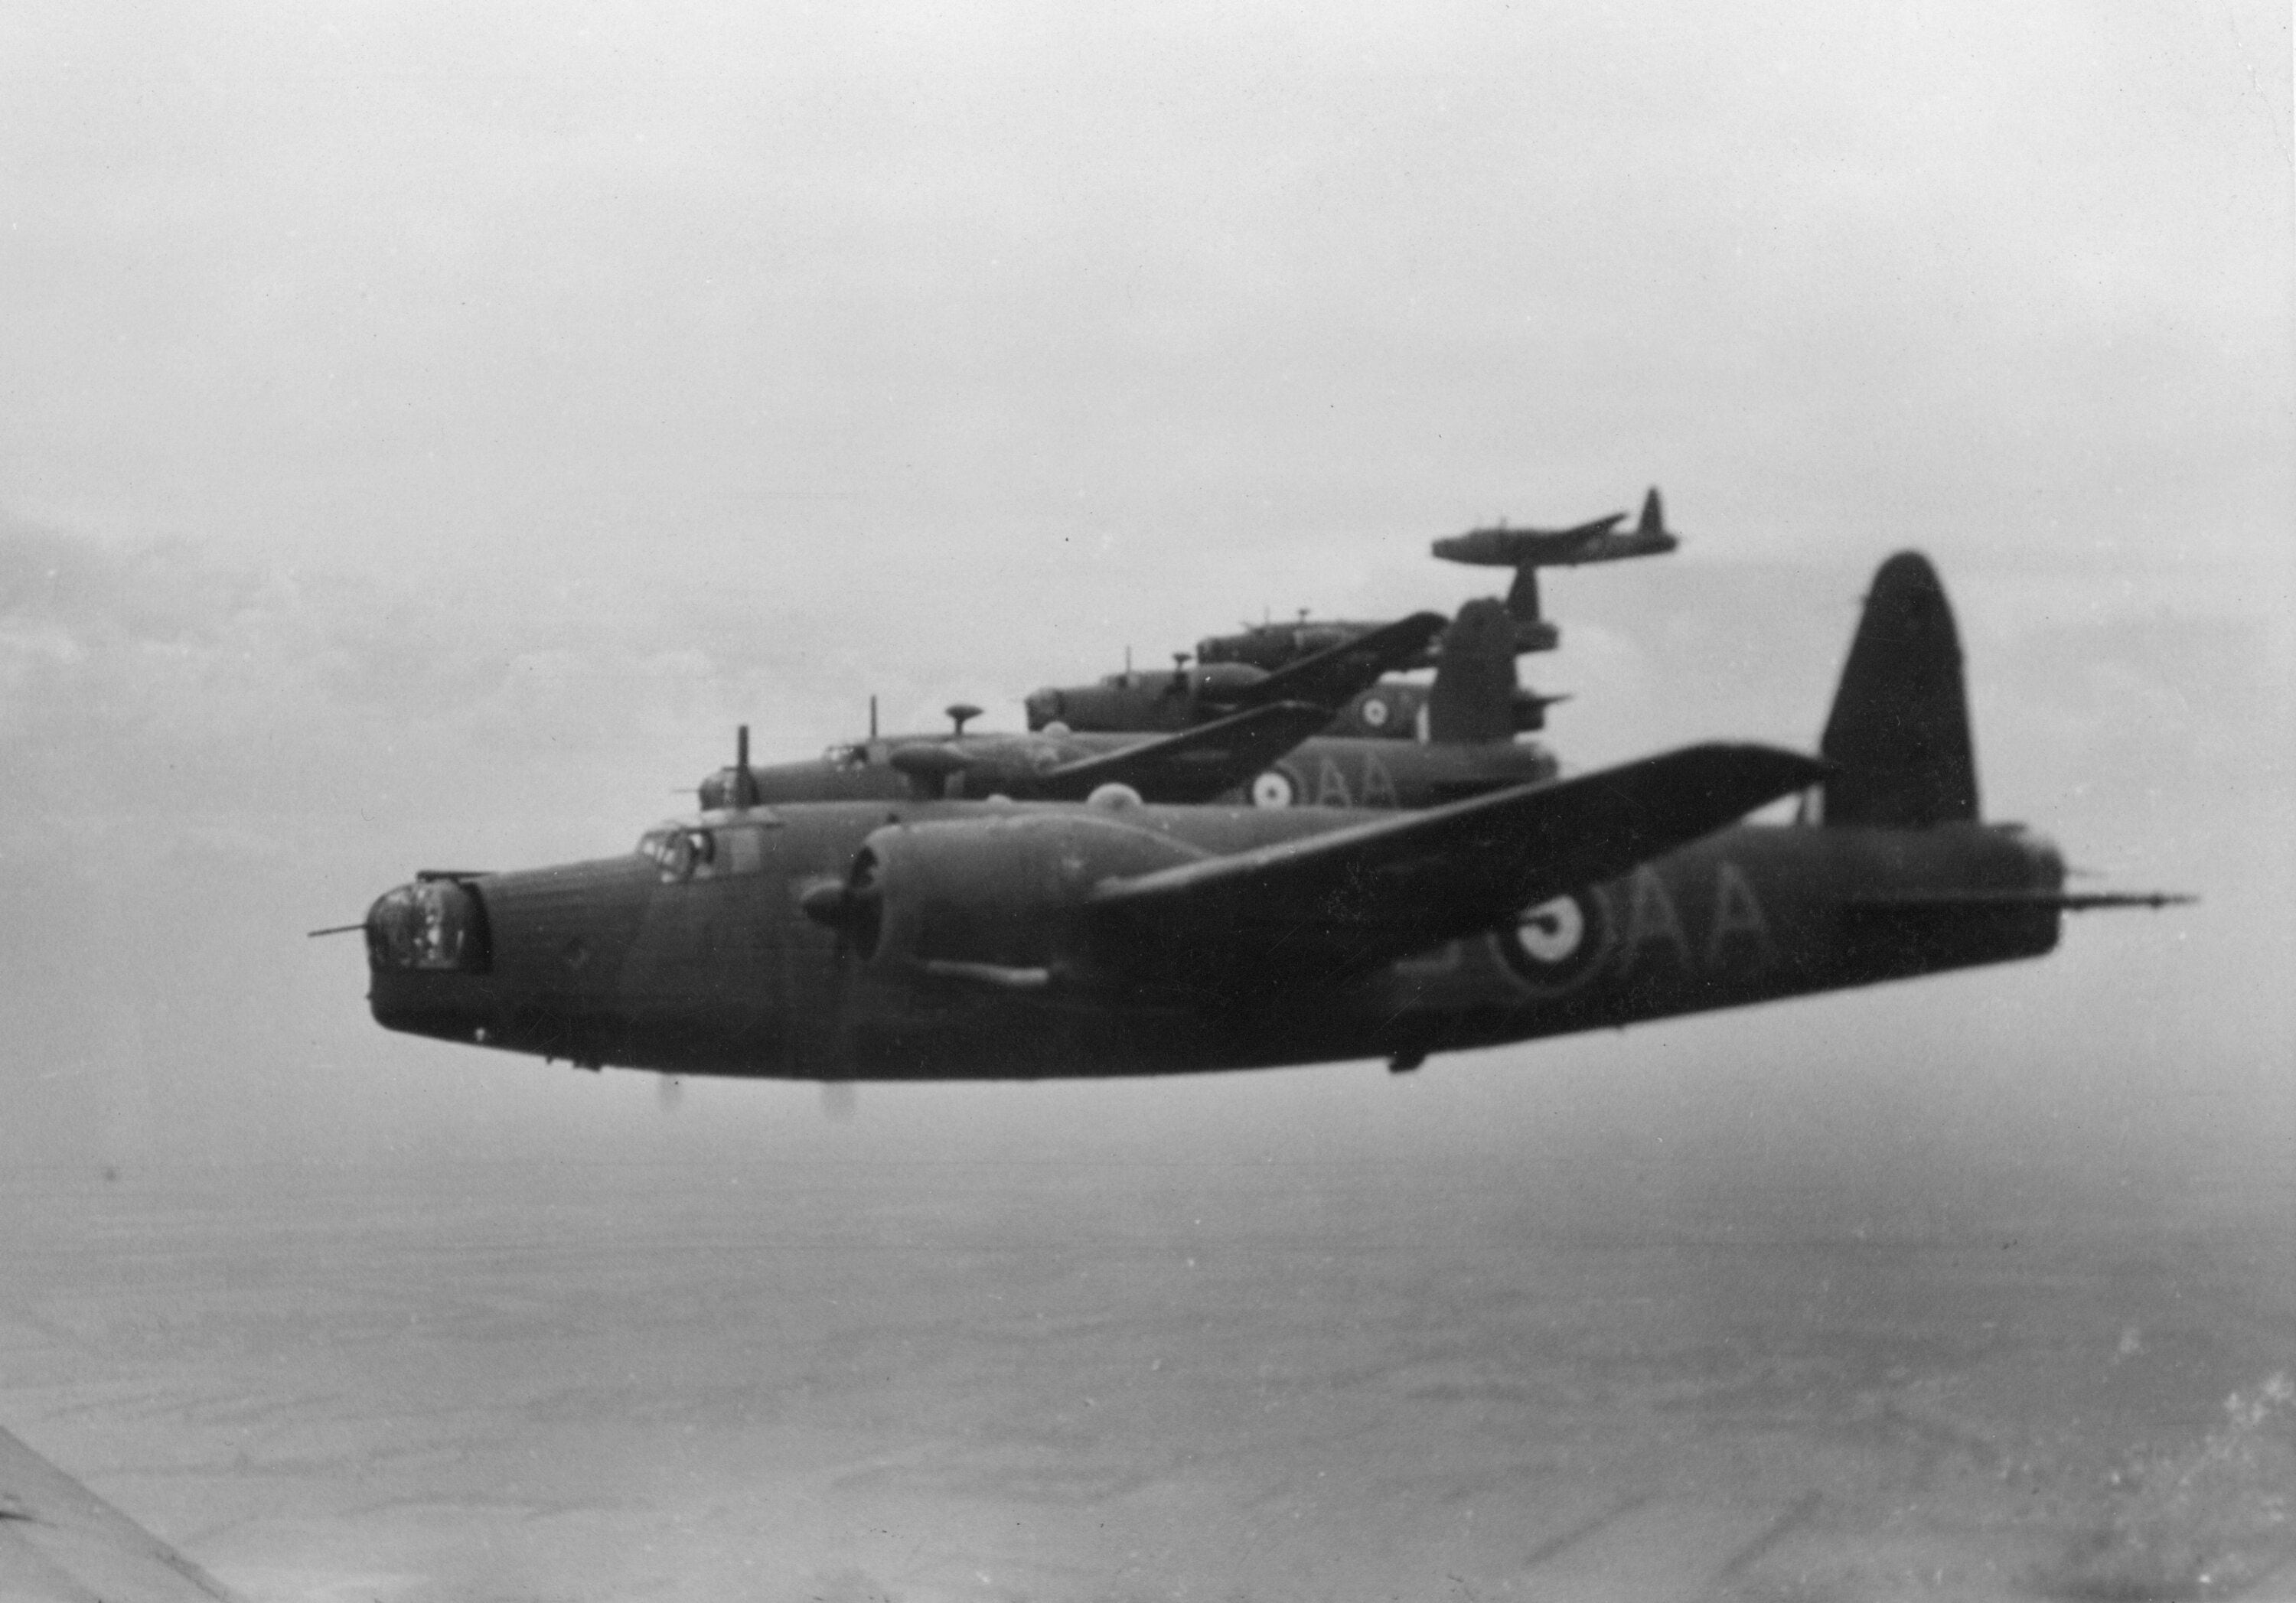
(423, 433)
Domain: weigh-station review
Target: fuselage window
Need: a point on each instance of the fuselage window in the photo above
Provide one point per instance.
(678, 852)
(688, 851)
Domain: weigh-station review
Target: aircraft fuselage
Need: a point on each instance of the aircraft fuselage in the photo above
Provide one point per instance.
(701, 959)
(1325, 771)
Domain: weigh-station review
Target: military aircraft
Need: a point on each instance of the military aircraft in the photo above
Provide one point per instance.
(1183, 696)
(976, 940)
(1389, 710)
(1196, 765)
(1527, 550)
(1272, 645)
(1263, 756)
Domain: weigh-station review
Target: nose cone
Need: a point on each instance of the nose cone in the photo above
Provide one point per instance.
(428, 951)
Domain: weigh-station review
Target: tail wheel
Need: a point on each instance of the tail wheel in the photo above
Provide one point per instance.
(1273, 788)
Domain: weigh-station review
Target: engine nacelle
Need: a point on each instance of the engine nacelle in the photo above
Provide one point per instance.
(1222, 681)
(985, 899)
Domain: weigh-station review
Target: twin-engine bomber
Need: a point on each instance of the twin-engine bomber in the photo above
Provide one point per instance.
(941, 939)
(1270, 756)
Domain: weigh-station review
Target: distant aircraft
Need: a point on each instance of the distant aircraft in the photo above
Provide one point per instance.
(1271, 646)
(62, 1544)
(970, 940)
(1263, 756)
(1526, 550)
(1389, 709)
(1195, 766)
(1183, 696)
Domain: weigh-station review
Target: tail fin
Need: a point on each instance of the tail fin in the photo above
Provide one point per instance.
(1653, 518)
(1522, 596)
(1899, 734)
(1474, 697)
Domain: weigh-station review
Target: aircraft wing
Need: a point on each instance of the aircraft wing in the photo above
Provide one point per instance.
(1324, 907)
(1193, 765)
(1592, 530)
(1332, 675)
(62, 1544)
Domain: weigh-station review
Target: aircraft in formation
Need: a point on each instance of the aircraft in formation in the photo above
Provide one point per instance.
(1269, 757)
(916, 932)
(1600, 541)
(1182, 697)
(916, 936)
(1392, 708)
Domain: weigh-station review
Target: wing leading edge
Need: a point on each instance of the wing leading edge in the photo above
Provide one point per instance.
(1336, 673)
(1197, 764)
(1326, 907)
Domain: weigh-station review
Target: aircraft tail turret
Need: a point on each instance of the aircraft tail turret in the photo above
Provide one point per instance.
(1899, 734)
(1474, 693)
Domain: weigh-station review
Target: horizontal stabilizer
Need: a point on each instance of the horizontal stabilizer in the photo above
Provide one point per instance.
(1319, 909)
(1331, 676)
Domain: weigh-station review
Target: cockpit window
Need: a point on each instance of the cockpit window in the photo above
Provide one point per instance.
(847, 754)
(692, 852)
(432, 924)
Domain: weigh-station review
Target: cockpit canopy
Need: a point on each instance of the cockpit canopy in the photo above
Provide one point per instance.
(708, 850)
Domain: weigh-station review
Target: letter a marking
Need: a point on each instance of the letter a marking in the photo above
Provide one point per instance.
(1652, 920)
(1378, 786)
(1738, 914)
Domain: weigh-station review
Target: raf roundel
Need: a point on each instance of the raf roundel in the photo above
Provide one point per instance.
(1374, 712)
(1273, 788)
(1556, 945)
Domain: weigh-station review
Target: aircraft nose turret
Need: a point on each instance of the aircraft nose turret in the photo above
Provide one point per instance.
(429, 951)
(1042, 707)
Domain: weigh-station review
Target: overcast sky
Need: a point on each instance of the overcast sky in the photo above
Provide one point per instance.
(425, 430)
